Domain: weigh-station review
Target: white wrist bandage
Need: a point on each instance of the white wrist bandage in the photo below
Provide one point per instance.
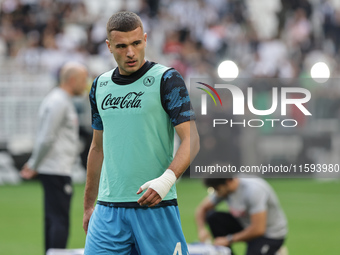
(162, 184)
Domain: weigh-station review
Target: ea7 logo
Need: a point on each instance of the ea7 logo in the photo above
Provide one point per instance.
(239, 100)
(103, 83)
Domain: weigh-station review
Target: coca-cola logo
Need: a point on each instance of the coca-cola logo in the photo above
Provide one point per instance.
(130, 100)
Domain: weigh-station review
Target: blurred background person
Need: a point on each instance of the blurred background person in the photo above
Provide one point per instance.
(55, 151)
(255, 215)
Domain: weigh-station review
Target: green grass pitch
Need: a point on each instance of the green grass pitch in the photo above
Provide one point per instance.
(312, 208)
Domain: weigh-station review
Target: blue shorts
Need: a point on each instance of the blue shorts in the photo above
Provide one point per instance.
(143, 231)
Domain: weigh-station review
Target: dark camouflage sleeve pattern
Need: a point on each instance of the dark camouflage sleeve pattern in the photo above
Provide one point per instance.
(175, 98)
(96, 119)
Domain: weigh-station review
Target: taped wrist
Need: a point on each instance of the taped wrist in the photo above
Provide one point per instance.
(162, 184)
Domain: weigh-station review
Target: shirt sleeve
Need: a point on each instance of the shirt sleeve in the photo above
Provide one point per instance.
(49, 123)
(175, 98)
(96, 119)
(215, 199)
(257, 200)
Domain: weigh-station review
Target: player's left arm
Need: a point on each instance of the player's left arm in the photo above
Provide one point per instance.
(176, 102)
(188, 149)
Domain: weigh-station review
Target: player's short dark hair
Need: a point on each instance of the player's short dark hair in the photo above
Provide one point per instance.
(215, 182)
(123, 22)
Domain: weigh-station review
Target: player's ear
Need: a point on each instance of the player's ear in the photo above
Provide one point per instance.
(108, 44)
(145, 37)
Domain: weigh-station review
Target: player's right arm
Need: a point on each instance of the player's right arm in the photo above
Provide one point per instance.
(94, 166)
(200, 217)
(94, 160)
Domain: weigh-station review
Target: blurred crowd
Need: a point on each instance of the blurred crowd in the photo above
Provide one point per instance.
(266, 38)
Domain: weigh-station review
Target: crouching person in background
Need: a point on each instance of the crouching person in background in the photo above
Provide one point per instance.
(255, 215)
